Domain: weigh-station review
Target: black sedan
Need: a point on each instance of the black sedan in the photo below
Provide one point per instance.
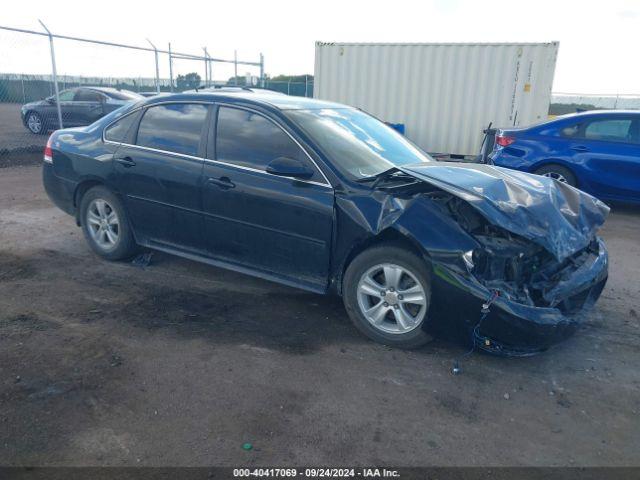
(79, 106)
(326, 198)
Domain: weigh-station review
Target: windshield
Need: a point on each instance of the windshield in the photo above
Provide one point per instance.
(357, 143)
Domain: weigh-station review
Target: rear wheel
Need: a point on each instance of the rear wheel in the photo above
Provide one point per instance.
(105, 224)
(559, 173)
(387, 292)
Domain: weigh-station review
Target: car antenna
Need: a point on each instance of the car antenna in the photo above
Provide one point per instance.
(484, 311)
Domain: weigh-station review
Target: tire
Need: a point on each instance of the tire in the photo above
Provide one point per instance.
(391, 326)
(558, 172)
(109, 236)
(35, 123)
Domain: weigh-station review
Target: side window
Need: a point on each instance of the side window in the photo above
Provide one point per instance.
(249, 139)
(174, 127)
(118, 131)
(612, 130)
(86, 95)
(67, 95)
(570, 131)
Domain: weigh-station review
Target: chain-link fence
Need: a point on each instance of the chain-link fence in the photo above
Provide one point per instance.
(300, 89)
(49, 81)
(563, 103)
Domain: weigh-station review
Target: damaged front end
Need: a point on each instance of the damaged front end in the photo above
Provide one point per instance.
(524, 244)
(538, 300)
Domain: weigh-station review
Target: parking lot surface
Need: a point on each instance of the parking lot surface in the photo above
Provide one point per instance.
(180, 363)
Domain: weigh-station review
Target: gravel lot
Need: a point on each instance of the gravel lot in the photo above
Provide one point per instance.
(14, 137)
(180, 364)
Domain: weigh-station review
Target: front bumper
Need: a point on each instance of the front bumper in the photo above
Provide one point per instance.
(515, 329)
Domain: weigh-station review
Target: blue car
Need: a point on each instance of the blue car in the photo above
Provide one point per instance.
(596, 151)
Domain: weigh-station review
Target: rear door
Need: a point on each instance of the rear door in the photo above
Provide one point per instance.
(277, 225)
(160, 175)
(88, 105)
(609, 150)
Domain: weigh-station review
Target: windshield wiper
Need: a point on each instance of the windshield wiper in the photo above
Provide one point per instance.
(377, 176)
(385, 175)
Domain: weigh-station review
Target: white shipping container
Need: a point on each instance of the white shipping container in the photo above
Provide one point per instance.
(445, 94)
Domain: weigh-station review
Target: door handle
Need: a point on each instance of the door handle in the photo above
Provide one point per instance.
(579, 148)
(222, 182)
(126, 162)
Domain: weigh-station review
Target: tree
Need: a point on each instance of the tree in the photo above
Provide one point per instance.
(188, 81)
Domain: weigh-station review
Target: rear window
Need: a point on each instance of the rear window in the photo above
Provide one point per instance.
(85, 95)
(117, 132)
(173, 127)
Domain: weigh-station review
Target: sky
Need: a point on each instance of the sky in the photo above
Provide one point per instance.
(598, 40)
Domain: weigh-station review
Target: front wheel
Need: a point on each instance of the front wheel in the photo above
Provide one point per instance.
(35, 123)
(105, 224)
(387, 293)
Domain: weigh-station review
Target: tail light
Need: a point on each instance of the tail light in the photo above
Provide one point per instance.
(504, 140)
(48, 152)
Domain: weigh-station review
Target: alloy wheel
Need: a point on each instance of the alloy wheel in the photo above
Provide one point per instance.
(34, 123)
(392, 299)
(103, 223)
(556, 176)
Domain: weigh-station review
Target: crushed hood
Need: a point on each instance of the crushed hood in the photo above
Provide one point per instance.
(560, 218)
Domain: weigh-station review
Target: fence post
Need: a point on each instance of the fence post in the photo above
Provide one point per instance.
(210, 69)
(55, 74)
(24, 97)
(206, 67)
(155, 52)
(235, 67)
(170, 70)
(262, 70)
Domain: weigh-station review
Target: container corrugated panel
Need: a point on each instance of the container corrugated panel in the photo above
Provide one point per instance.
(444, 94)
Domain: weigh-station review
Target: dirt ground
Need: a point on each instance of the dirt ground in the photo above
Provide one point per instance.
(181, 364)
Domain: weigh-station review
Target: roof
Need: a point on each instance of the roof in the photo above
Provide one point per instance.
(275, 100)
(600, 113)
(433, 44)
(103, 89)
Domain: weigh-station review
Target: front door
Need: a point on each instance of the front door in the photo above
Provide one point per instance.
(277, 225)
(160, 175)
(69, 116)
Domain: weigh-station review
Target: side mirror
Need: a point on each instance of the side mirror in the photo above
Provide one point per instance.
(51, 100)
(289, 167)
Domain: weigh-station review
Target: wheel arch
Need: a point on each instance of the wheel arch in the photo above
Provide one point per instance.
(556, 161)
(26, 116)
(83, 187)
(390, 235)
